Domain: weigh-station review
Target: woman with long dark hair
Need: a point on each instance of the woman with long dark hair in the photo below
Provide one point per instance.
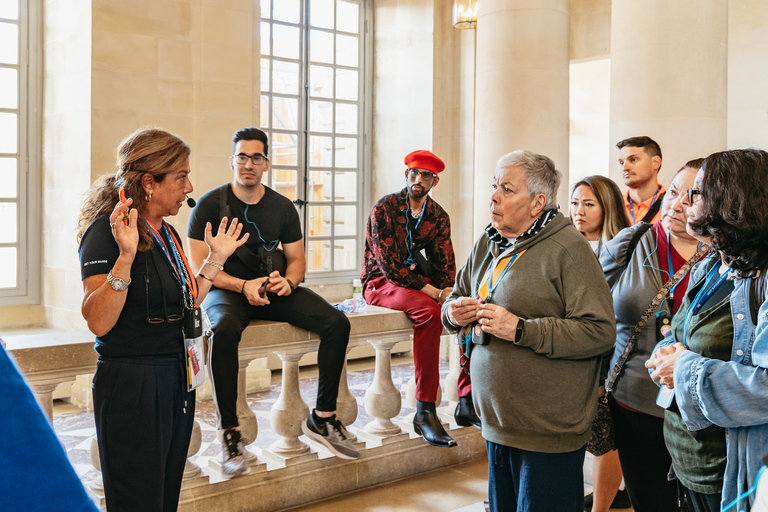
(715, 358)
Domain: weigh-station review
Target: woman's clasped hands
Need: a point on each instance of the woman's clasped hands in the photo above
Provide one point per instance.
(492, 318)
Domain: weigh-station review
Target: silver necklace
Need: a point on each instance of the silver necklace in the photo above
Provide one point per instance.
(414, 214)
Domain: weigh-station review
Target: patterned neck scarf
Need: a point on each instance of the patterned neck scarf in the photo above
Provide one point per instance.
(505, 243)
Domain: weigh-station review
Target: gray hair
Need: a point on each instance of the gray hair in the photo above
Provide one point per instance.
(541, 177)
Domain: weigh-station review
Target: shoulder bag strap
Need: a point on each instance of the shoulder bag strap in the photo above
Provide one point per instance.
(647, 314)
(654, 208)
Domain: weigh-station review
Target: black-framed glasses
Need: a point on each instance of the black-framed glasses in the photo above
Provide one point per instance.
(256, 158)
(425, 175)
(691, 192)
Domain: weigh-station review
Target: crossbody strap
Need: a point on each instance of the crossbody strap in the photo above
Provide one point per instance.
(647, 314)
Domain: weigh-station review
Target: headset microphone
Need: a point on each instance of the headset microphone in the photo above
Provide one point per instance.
(191, 202)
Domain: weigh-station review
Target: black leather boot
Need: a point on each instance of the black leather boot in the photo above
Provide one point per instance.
(465, 415)
(427, 425)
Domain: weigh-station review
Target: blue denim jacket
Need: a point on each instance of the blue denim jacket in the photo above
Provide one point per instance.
(732, 394)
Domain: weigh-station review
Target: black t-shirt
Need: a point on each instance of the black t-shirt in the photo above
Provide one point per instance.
(273, 218)
(154, 295)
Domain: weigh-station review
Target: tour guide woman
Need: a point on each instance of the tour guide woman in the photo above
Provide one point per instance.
(547, 316)
(715, 358)
(138, 286)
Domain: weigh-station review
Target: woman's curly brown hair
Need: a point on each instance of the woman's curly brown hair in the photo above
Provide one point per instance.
(734, 209)
(150, 151)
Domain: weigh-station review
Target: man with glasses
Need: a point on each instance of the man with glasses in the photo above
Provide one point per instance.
(261, 282)
(640, 159)
(409, 266)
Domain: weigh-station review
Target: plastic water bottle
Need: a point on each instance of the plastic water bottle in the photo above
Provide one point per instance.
(357, 289)
(351, 305)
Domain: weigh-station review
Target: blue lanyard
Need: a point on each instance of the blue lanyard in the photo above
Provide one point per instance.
(701, 298)
(671, 272)
(409, 233)
(491, 286)
(176, 264)
(632, 208)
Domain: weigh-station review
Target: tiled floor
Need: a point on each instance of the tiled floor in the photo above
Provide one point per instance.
(457, 489)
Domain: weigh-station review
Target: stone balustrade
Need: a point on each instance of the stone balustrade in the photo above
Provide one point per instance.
(289, 473)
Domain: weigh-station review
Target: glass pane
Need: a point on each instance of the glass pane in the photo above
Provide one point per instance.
(321, 81)
(345, 253)
(9, 214)
(319, 220)
(285, 77)
(264, 112)
(344, 222)
(347, 16)
(346, 152)
(346, 84)
(346, 186)
(346, 118)
(321, 116)
(285, 41)
(319, 255)
(9, 263)
(284, 149)
(346, 51)
(284, 182)
(264, 72)
(265, 10)
(320, 149)
(319, 186)
(320, 46)
(8, 177)
(285, 113)
(287, 10)
(8, 133)
(266, 39)
(9, 88)
(9, 43)
(321, 13)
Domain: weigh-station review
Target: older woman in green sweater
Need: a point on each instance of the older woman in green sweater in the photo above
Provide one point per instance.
(533, 291)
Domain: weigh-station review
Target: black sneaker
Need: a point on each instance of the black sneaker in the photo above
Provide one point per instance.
(234, 462)
(332, 435)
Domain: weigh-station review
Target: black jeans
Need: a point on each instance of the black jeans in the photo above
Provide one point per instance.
(645, 460)
(230, 312)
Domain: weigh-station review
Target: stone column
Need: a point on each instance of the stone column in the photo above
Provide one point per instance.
(287, 414)
(669, 72)
(521, 89)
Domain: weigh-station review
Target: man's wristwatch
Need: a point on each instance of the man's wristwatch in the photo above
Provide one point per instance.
(519, 331)
(116, 283)
(290, 283)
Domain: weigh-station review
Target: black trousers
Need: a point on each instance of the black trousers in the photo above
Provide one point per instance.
(144, 418)
(230, 312)
(645, 460)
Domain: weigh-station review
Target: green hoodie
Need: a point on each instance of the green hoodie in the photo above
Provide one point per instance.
(540, 394)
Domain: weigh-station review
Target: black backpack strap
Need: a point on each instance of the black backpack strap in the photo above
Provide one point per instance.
(638, 234)
(654, 209)
(224, 210)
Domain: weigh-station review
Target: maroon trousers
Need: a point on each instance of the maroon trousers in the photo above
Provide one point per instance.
(425, 313)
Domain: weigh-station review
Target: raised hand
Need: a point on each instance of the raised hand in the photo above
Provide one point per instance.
(226, 241)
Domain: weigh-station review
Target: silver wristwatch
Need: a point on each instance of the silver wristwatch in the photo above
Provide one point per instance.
(116, 283)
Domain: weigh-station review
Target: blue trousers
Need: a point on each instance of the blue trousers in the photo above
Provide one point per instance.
(523, 481)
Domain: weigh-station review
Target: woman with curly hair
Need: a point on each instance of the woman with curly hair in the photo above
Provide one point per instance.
(714, 361)
(139, 293)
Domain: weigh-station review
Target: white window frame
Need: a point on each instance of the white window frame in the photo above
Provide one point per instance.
(365, 94)
(29, 174)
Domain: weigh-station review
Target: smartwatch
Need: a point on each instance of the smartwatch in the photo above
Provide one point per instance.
(116, 283)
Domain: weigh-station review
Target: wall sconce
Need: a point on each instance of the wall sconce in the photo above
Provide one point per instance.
(464, 15)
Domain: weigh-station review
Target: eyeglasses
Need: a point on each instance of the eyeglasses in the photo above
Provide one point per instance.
(425, 175)
(257, 158)
(692, 192)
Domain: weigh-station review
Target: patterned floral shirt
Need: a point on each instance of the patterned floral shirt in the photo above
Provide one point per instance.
(387, 247)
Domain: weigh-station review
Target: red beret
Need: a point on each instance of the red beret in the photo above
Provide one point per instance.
(424, 160)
